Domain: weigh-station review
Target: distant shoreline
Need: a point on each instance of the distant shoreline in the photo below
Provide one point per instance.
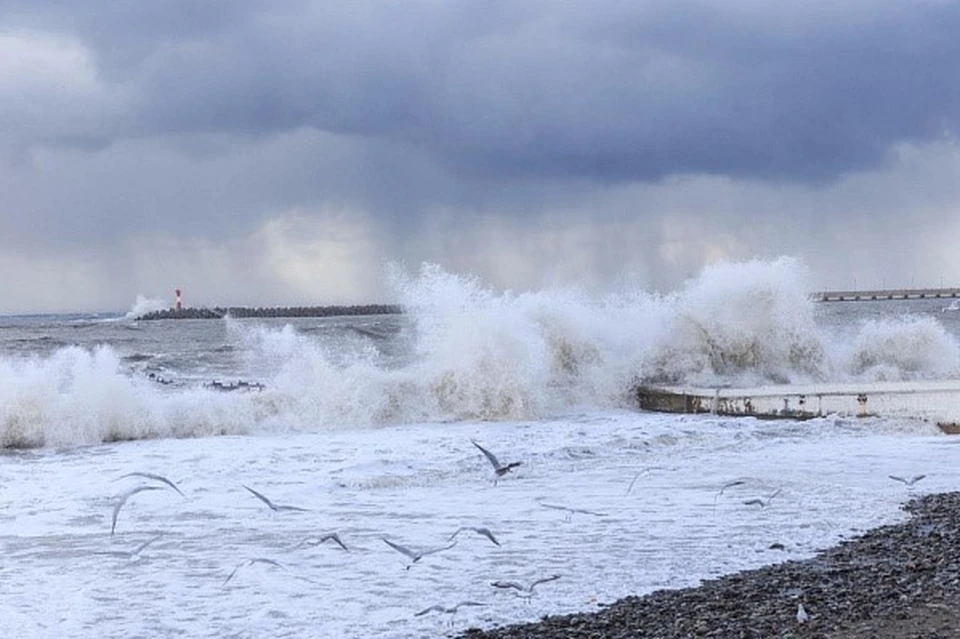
(219, 312)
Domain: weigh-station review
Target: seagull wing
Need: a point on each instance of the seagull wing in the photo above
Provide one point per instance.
(435, 607)
(916, 478)
(138, 549)
(335, 537)
(154, 477)
(553, 506)
(583, 511)
(296, 508)
(900, 479)
(543, 581)
(431, 551)
(402, 549)
(731, 484)
(632, 482)
(486, 533)
(490, 456)
(230, 576)
(265, 560)
(262, 498)
(508, 584)
(123, 499)
(754, 502)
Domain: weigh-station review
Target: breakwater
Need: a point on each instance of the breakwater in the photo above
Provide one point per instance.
(218, 312)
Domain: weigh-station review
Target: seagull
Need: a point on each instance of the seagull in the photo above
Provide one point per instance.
(416, 556)
(761, 502)
(729, 484)
(449, 610)
(479, 530)
(907, 481)
(520, 588)
(123, 499)
(250, 562)
(802, 616)
(130, 554)
(272, 506)
(154, 478)
(498, 468)
(314, 541)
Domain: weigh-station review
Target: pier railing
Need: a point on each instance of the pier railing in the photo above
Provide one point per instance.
(886, 294)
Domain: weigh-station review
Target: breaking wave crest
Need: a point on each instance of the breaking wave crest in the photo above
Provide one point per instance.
(466, 351)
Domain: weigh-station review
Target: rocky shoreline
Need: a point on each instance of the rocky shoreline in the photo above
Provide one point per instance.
(900, 581)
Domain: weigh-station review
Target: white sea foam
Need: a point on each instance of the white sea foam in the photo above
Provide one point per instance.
(78, 396)
(471, 352)
(904, 348)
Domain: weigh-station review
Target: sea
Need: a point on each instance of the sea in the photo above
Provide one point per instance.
(276, 434)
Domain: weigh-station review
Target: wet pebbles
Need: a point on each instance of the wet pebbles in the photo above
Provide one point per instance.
(900, 581)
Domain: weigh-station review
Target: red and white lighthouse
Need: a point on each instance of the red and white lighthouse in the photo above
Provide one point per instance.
(179, 301)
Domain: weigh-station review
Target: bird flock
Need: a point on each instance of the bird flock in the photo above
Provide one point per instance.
(412, 554)
(157, 482)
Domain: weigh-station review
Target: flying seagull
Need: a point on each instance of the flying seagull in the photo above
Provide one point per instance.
(907, 481)
(416, 555)
(250, 562)
(316, 541)
(729, 484)
(272, 506)
(130, 554)
(524, 591)
(762, 502)
(480, 531)
(154, 477)
(448, 609)
(498, 468)
(123, 499)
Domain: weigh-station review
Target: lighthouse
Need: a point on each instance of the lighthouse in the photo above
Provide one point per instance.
(179, 301)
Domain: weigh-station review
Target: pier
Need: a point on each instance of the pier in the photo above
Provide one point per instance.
(887, 294)
(219, 312)
(937, 402)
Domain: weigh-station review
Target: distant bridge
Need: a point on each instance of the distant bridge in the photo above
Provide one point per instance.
(891, 294)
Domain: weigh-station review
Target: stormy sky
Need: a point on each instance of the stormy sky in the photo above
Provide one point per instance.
(260, 152)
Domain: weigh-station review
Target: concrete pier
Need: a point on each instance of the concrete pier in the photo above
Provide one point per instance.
(888, 294)
(937, 402)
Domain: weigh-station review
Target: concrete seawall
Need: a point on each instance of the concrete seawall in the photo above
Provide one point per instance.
(218, 312)
(937, 402)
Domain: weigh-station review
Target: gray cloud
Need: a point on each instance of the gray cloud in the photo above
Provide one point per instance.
(605, 91)
(150, 143)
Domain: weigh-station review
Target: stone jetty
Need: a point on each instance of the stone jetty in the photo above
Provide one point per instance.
(218, 312)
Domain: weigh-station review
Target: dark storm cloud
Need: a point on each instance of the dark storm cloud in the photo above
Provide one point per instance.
(606, 90)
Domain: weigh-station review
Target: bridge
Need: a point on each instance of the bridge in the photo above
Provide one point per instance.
(889, 294)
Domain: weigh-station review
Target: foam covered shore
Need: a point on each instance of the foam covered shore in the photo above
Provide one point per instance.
(895, 581)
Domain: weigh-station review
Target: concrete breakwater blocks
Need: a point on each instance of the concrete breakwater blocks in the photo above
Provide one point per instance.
(937, 402)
